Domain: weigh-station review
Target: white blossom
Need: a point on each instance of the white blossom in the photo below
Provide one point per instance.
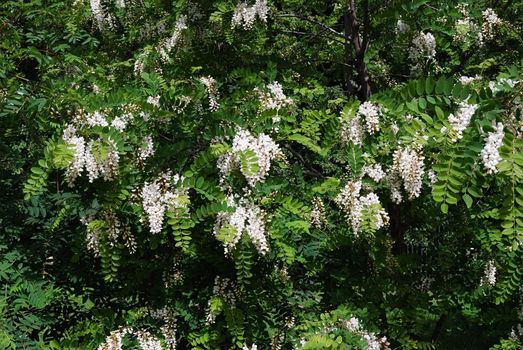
(318, 213)
(352, 130)
(247, 217)
(154, 100)
(432, 177)
(212, 92)
(370, 113)
(491, 22)
(490, 152)
(408, 164)
(423, 49)
(102, 18)
(355, 206)
(165, 46)
(262, 146)
(489, 275)
(354, 326)
(114, 339)
(464, 80)
(96, 119)
(252, 347)
(245, 15)
(374, 171)
(158, 197)
(147, 150)
(274, 98)
(461, 120)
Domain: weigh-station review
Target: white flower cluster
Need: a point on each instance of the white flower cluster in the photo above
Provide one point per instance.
(461, 120)
(356, 206)
(247, 217)
(352, 130)
(252, 347)
(274, 98)
(464, 80)
(103, 19)
(169, 327)
(433, 178)
(111, 230)
(491, 22)
(147, 150)
(408, 165)
(371, 114)
(225, 289)
(159, 197)
(318, 213)
(114, 340)
(154, 100)
(367, 118)
(499, 86)
(120, 122)
(353, 325)
(84, 158)
(374, 171)
(245, 15)
(490, 153)
(212, 91)
(489, 275)
(423, 49)
(165, 46)
(263, 147)
(96, 119)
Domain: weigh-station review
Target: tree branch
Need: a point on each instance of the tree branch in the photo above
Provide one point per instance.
(313, 21)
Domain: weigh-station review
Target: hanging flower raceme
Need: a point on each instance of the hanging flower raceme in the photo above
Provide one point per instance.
(370, 114)
(318, 213)
(245, 15)
(491, 22)
(367, 118)
(461, 120)
(253, 155)
(166, 46)
(408, 165)
(489, 275)
(362, 212)
(212, 92)
(374, 342)
(246, 217)
(374, 171)
(273, 98)
(423, 50)
(490, 153)
(159, 196)
(107, 229)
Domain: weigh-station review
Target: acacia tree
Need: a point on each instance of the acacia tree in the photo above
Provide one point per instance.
(221, 176)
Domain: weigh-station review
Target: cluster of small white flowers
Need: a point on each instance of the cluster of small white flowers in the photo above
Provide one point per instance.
(489, 275)
(247, 217)
(423, 49)
(112, 228)
(352, 130)
(432, 176)
(165, 46)
(353, 325)
(370, 113)
(226, 290)
(408, 164)
(147, 341)
(154, 100)
(245, 15)
(318, 213)
(102, 18)
(96, 119)
(157, 198)
(498, 86)
(263, 146)
(252, 347)
(147, 150)
(83, 158)
(212, 91)
(374, 171)
(120, 122)
(491, 22)
(461, 120)
(402, 27)
(274, 98)
(395, 186)
(490, 153)
(114, 340)
(354, 206)
(464, 80)
(167, 315)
